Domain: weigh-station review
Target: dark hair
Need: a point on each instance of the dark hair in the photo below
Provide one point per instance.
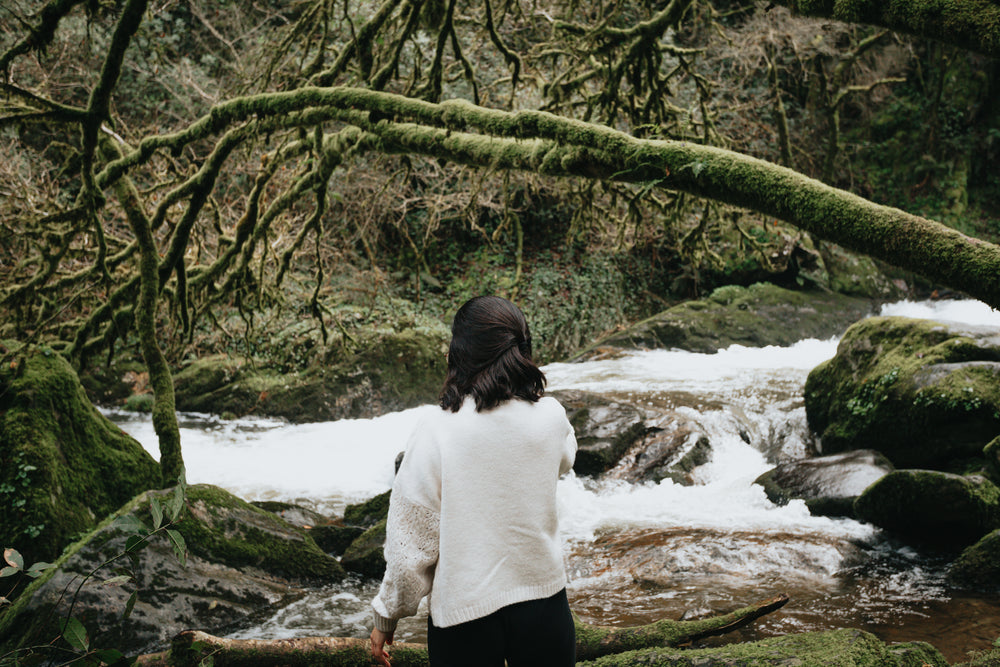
(490, 356)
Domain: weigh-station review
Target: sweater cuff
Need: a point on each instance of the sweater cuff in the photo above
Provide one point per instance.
(384, 624)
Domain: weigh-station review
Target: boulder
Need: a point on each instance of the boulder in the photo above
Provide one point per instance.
(376, 372)
(365, 555)
(672, 452)
(978, 566)
(924, 393)
(828, 484)
(330, 535)
(991, 452)
(63, 465)
(243, 562)
(927, 506)
(605, 429)
(756, 316)
(368, 513)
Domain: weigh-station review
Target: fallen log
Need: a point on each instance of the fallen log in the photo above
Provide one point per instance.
(191, 647)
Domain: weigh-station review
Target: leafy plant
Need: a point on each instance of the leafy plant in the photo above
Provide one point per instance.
(163, 517)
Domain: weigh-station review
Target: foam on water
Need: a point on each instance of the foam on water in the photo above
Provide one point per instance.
(966, 311)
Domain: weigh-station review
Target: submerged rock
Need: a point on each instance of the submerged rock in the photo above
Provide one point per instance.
(63, 465)
(605, 429)
(242, 563)
(756, 316)
(828, 484)
(924, 393)
(932, 507)
(672, 452)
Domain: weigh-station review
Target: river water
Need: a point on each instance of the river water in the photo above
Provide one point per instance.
(636, 553)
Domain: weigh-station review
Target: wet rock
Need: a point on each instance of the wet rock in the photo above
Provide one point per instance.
(63, 465)
(605, 429)
(978, 567)
(756, 316)
(242, 563)
(932, 507)
(368, 513)
(924, 393)
(672, 452)
(330, 535)
(991, 452)
(828, 484)
(365, 555)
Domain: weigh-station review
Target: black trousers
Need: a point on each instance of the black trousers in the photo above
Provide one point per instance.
(535, 633)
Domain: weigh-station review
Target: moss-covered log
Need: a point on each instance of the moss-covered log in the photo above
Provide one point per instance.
(190, 647)
(545, 143)
(970, 24)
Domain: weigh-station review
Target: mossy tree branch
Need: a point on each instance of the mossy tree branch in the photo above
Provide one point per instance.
(970, 24)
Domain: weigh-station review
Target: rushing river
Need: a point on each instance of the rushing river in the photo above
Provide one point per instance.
(636, 553)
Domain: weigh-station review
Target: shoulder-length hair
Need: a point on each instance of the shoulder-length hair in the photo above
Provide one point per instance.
(490, 356)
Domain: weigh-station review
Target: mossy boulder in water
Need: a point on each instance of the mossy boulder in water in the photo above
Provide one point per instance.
(63, 465)
(978, 567)
(924, 393)
(243, 562)
(365, 555)
(928, 506)
(828, 484)
(755, 316)
(377, 371)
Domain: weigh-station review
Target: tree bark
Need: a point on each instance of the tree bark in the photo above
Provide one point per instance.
(190, 647)
(970, 24)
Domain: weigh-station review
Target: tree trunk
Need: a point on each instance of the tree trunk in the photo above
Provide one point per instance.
(970, 24)
(190, 647)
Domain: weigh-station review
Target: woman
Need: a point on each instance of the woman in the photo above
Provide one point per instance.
(472, 515)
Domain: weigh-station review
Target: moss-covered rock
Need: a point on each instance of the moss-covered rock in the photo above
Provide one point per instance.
(374, 372)
(813, 649)
(365, 555)
(329, 534)
(924, 393)
(978, 566)
(63, 465)
(828, 484)
(369, 512)
(605, 429)
(991, 452)
(243, 562)
(932, 507)
(759, 315)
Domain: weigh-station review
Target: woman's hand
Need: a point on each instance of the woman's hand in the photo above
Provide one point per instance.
(379, 640)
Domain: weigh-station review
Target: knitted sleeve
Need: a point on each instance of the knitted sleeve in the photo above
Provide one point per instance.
(411, 553)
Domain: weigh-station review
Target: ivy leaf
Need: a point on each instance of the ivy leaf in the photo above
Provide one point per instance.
(176, 503)
(75, 634)
(38, 569)
(180, 548)
(110, 656)
(130, 605)
(119, 579)
(156, 510)
(13, 558)
(134, 542)
(130, 523)
(9, 571)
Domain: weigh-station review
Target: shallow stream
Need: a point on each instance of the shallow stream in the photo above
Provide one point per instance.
(638, 553)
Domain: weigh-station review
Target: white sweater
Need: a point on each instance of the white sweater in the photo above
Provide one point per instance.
(472, 514)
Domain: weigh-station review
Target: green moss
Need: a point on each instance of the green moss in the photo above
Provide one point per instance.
(759, 315)
(837, 647)
(369, 512)
(365, 556)
(923, 393)
(63, 465)
(933, 507)
(220, 527)
(978, 566)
